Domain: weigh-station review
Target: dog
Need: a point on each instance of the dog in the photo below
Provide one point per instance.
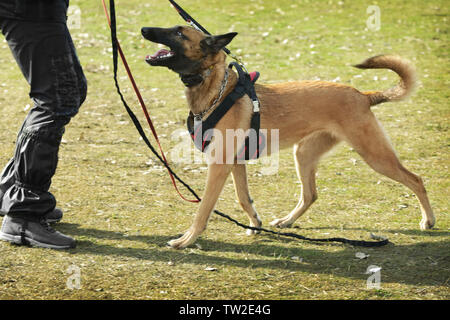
(311, 116)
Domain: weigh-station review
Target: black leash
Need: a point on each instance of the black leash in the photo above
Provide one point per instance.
(147, 142)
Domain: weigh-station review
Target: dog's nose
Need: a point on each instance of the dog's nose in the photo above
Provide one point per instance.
(145, 31)
(150, 33)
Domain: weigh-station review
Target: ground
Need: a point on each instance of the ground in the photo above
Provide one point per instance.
(120, 206)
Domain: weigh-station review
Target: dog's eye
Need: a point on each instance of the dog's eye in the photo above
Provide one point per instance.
(180, 34)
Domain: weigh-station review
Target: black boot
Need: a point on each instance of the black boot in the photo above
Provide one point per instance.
(34, 232)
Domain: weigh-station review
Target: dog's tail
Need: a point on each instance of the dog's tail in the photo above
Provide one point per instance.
(400, 66)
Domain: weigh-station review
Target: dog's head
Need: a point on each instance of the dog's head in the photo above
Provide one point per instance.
(189, 51)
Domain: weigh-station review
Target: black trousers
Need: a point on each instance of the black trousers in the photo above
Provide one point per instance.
(46, 56)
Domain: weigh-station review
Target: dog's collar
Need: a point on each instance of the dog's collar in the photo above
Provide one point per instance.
(192, 80)
(199, 116)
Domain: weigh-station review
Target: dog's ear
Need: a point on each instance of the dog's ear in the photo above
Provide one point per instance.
(213, 44)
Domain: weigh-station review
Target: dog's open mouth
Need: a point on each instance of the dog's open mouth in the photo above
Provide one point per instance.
(159, 56)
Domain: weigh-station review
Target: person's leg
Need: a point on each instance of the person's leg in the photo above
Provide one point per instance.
(6, 180)
(47, 58)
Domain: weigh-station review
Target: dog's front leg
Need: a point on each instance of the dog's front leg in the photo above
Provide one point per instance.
(241, 186)
(217, 175)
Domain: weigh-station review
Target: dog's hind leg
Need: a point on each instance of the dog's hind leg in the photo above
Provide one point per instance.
(239, 173)
(307, 154)
(217, 175)
(369, 141)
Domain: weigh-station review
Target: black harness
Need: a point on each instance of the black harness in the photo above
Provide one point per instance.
(201, 131)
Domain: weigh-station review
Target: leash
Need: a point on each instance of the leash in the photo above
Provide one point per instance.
(118, 51)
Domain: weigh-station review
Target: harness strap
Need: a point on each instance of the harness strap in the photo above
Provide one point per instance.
(226, 105)
(200, 131)
(255, 141)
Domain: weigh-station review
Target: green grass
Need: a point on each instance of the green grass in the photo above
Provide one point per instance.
(122, 209)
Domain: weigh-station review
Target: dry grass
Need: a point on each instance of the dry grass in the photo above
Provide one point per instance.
(119, 203)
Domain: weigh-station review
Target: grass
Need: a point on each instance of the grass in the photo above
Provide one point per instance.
(121, 207)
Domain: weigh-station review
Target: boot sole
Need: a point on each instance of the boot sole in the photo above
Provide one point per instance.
(31, 242)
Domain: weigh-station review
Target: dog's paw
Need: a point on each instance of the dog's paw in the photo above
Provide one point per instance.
(281, 223)
(256, 224)
(251, 232)
(187, 239)
(426, 224)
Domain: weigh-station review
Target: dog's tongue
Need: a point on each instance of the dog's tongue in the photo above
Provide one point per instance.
(160, 53)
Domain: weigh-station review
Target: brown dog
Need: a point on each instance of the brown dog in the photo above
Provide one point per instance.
(313, 116)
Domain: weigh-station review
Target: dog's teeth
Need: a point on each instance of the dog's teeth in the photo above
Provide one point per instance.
(161, 54)
(168, 55)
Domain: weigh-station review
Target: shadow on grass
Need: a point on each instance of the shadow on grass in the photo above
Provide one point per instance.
(416, 264)
(435, 232)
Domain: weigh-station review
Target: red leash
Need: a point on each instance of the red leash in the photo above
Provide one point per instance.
(144, 107)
